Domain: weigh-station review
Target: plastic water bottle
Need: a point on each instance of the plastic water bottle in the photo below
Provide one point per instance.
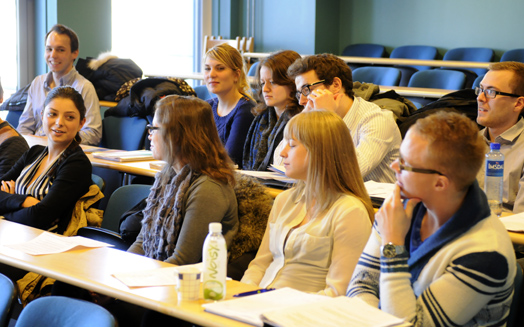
(214, 254)
(493, 183)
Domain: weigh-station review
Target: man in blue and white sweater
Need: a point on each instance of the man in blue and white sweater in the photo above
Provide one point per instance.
(436, 255)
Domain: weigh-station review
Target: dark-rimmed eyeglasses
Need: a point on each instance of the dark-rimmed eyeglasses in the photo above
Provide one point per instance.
(151, 129)
(491, 93)
(402, 166)
(305, 90)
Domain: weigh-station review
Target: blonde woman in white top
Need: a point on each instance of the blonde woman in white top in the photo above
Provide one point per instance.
(318, 229)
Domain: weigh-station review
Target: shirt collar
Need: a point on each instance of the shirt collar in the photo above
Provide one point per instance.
(67, 79)
(509, 136)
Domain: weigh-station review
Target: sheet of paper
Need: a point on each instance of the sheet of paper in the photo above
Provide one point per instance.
(249, 309)
(334, 312)
(514, 223)
(49, 243)
(152, 277)
(379, 190)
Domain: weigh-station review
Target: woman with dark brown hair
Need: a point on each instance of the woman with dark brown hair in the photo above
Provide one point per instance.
(43, 186)
(277, 104)
(195, 187)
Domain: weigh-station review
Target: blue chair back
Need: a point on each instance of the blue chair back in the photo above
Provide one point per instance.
(253, 69)
(99, 181)
(387, 76)
(60, 311)
(13, 117)
(438, 79)
(471, 54)
(124, 133)
(203, 93)
(415, 52)
(7, 295)
(476, 82)
(123, 199)
(513, 55)
(365, 50)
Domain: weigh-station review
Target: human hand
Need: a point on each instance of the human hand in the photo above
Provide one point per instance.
(393, 221)
(323, 99)
(29, 202)
(8, 187)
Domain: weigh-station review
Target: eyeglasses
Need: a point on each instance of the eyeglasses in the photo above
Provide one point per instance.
(305, 90)
(151, 129)
(491, 93)
(402, 166)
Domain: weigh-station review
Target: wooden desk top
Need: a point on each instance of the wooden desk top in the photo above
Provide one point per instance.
(93, 268)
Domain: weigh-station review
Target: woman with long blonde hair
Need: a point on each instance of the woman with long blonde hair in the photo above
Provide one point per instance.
(316, 230)
(225, 76)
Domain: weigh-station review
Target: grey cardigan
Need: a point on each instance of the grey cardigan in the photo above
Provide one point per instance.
(206, 201)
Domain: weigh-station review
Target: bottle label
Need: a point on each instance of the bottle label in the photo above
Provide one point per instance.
(213, 288)
(494, 168)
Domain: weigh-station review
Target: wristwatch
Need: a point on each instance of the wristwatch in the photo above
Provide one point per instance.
(391, 250)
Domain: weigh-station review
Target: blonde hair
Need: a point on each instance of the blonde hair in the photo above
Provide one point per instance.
(332, 163)
(230, 57)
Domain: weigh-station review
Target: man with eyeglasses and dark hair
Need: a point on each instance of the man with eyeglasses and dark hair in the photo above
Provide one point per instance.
(436, 255)
(500, 99)
(325, 82)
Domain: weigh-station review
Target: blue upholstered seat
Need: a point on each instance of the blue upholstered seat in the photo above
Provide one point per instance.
(387, 76)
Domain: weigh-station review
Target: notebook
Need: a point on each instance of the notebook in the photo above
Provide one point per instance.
(288, 307)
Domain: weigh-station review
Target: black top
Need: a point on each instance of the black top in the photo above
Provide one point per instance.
(72, 180)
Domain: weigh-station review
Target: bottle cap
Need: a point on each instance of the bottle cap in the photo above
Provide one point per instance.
(494, 146)
(215, 227)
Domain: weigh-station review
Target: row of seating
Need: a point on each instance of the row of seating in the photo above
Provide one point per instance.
(54, 311)
(431, 53)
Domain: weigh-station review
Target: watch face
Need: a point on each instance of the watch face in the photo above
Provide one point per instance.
(389, 251)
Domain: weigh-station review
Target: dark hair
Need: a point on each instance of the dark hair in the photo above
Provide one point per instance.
(327, 66)
(67, 92)
(62, 29)
(278, 63)
(190, 134)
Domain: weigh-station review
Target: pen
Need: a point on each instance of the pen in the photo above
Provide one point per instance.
(262, 290)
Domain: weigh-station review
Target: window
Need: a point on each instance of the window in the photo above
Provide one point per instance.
(8, 55)
(160, 36)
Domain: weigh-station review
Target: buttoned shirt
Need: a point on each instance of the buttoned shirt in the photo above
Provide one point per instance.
(31, 118)
(318, 256)
(512, 147)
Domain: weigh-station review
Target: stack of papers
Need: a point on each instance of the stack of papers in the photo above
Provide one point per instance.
(287, 307)
(124, 156)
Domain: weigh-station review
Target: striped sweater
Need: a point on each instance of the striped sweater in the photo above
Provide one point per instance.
(460, 276)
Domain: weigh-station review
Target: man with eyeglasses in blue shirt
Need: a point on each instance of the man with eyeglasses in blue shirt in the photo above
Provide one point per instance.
(500, 99)
(325, 82)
